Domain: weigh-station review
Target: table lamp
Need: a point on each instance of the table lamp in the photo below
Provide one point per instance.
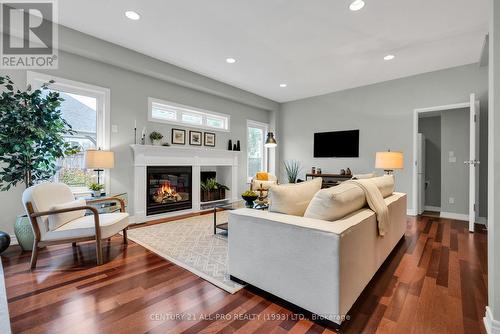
(389, 161)
(98, 160)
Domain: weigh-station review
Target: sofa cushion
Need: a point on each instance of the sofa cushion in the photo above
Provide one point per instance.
(385, 184)
(337, 202)
(293, 199)
(58, 220)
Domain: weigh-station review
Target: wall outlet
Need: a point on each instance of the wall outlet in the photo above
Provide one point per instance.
(114, 128)
(451, 200)
(453, 159)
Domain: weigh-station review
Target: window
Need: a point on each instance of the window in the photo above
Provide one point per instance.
(86, 109)
(256, 152)
(174, 113)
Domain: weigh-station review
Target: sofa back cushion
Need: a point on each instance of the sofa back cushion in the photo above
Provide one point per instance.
(337, 202)
(293, 199)
(385, 184)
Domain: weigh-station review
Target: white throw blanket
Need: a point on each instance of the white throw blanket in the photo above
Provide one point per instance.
(376, 202)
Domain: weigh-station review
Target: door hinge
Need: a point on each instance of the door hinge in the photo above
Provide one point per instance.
(475, 118)
(475, 207)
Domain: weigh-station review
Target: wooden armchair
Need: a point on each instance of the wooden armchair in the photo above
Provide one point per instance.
(56, 218)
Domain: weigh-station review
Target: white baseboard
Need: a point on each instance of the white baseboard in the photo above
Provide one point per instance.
(411, 212)
(452, 215)
(492, 326)
(432, 208)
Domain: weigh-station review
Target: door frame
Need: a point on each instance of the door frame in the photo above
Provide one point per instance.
(416, 113)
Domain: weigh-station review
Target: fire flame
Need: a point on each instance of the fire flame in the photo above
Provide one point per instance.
(166, 190)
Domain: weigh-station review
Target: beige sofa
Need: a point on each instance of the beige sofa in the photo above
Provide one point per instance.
(321, 266)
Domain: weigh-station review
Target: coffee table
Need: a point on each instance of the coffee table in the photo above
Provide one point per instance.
(233, 206)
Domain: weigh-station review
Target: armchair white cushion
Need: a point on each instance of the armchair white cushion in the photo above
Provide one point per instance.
(56, 221)
(110, 223)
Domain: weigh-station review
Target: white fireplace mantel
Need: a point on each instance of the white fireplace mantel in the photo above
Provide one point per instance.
(196, 157)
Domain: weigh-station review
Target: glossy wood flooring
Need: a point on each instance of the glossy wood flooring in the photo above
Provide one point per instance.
(434, 282)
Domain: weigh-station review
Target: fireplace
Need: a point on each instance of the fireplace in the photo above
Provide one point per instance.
(168, 189)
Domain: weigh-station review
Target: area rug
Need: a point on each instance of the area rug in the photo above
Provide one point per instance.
(191, 244)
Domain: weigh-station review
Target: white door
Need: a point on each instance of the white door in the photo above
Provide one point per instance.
(473, 162)
(421, 172)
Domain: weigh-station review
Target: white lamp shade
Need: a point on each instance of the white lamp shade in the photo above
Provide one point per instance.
(99, 159)
(389, 160)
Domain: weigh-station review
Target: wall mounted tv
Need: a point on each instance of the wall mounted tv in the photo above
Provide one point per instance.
(337, 144)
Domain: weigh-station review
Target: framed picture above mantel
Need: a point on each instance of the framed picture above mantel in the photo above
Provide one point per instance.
(195, 138)
(178, 136)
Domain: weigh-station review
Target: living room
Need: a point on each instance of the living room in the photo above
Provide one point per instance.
(209, 155)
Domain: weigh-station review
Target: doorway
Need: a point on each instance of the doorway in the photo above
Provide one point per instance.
(445, 171)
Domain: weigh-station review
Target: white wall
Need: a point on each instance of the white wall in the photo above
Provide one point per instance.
(130, 89)
(384, 114)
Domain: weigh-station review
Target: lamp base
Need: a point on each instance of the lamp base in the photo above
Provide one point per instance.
(388, 171)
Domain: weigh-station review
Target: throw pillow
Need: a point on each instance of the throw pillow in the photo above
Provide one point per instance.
(58, 220)
(336, 202)
(385, 184)
(293, 199)
(262, 176)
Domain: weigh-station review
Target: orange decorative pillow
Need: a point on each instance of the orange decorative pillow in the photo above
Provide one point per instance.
(262, 176)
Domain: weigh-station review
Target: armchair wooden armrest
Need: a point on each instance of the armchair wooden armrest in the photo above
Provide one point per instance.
(109, 199)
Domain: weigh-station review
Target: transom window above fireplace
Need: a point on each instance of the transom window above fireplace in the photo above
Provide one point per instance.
(174, 113)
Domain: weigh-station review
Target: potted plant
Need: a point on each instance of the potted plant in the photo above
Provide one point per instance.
(155, 137)
(32, 139)
(96, 189)
(292, 170)
(211, 190)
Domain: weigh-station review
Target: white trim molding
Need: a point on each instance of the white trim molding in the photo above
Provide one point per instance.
(452, 215)
(492, 326)
(411, 212)
(432, 208)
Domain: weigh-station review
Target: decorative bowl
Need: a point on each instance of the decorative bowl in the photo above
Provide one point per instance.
(249, 199)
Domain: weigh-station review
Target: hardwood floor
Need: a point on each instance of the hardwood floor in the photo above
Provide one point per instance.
(434, 282)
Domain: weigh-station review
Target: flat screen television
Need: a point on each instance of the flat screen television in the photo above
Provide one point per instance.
(336, 144)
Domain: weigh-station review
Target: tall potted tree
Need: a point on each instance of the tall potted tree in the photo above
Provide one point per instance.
(32, 134)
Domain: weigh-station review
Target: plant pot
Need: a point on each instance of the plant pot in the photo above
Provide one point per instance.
(96, 193)
(24, 232)
(156, 142)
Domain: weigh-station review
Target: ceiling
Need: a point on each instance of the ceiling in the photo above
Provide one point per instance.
(314, 46)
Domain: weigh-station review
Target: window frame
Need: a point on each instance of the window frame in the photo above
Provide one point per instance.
(265, 128)
(103, 97)
(188, 110)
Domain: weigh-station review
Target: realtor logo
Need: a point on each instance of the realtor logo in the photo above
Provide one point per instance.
(29, 39)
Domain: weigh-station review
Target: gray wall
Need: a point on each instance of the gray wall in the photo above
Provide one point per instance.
(384, 114)
(454, 151)
(430, 127)
(129, 93)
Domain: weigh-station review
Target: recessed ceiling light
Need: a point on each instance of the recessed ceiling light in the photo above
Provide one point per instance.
(356, 5)
(389, 57)
(283, 85)
(132, 15)
(230, 60)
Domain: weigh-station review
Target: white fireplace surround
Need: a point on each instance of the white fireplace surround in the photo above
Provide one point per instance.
(198, 158)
